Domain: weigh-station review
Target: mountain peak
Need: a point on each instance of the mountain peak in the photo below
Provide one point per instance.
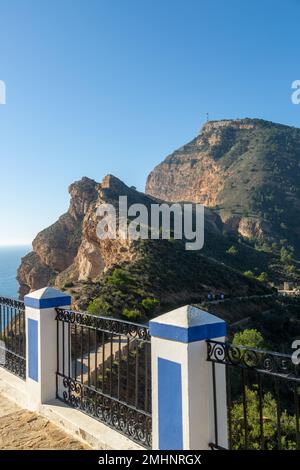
(246, 169)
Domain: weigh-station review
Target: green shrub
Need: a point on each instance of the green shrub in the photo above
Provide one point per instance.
(120, 278)
(263, 277)
(232, 250)
(270, 424)
(132, 315)
(149, 304)
(249, 274)
(250, 338)
(99, 307)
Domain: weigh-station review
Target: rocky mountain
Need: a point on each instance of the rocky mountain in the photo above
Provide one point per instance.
(247, 170)
(134, 278)
(55, 248)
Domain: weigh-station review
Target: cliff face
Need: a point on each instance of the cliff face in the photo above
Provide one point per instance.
(247, 170)
(69, 250)
(70, 256)
(95, 256)
(195, 171)
(55, 248)
(130, 279)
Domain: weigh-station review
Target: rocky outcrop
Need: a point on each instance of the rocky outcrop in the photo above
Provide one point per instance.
(193, 173)
(32, 274)
(55, 248)
(70, 250)
(247, 170)
(70, 255)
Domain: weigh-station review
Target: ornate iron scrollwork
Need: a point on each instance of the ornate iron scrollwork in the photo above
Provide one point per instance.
(263, 361)
(17, 304)
(15, 364)
(134, 423)
(107, 325)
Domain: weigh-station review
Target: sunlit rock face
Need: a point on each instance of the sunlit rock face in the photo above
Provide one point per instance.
(70, 250)
(247, 170)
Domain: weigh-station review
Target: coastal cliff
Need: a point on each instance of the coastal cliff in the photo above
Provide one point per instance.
(129, 275)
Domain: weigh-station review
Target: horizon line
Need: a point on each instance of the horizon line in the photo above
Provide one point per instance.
(15, 244)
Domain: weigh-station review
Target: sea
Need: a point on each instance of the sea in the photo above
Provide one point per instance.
(10, 258)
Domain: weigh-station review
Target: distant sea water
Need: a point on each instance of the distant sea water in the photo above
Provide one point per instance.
(10, 258)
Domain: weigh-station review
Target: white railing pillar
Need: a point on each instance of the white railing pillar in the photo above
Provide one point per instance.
(41, 344)
(182, 386)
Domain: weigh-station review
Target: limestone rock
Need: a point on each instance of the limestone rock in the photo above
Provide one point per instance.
(247, 170)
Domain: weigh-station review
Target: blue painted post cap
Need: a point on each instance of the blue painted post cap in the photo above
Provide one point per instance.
(48, 297)
(187, 324)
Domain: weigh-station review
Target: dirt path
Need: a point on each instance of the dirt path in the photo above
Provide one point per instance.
(21, 430)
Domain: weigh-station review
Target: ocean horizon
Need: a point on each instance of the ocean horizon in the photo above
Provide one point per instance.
(10, 259)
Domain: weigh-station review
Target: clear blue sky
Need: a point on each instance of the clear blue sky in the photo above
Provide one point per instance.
(113, 86)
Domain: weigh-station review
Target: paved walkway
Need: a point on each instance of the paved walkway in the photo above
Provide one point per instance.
(23, 430)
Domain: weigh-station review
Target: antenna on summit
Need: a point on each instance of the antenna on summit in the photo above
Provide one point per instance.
(207, 120)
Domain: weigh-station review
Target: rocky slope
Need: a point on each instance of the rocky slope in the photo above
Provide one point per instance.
(55, 248)
(69, 250)
(71, 256)
(248, 170)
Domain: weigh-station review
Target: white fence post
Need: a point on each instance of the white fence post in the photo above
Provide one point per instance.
(41, 344)
(182, 386)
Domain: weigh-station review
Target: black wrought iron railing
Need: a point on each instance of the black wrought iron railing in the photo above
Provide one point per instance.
(263, 390)
(104, 370)
(13, 336)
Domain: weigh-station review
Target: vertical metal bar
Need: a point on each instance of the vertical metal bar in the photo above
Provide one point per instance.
(75, 351)
(296, 398)
(103, 361)
(127, 371)
(19, 334)
(229, 404)
(4, 325)
(137, 374)
(81, 332)
(215, 404)
(24, 334)
(146, 377)
(69, 350)
(89, 356)
(1, 312)
(57, 356)
(63, 347)
(245, 407)
(96, 362)
(260, 406)
(111, 363)
(15, 333)
(9, 328)
(278, 411)
(119, 367)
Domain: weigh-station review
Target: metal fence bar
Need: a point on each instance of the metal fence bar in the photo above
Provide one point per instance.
(296, 398)
(110, 380)
(13, 336)
(261, 422)
(262, 397)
